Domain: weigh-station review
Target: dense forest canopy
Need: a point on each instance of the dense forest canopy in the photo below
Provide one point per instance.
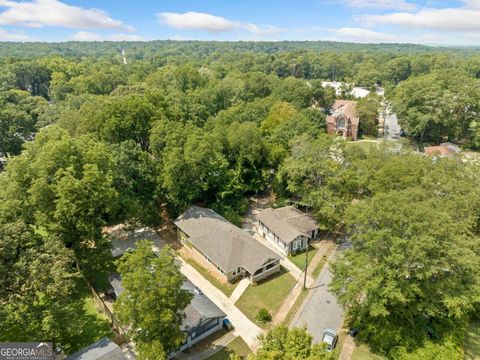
(151, 49)
(90, 140)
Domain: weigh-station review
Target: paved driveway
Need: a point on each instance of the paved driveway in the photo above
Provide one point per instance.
(320, 309)
(242, 325)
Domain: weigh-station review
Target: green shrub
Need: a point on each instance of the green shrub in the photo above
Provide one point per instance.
(263, 316)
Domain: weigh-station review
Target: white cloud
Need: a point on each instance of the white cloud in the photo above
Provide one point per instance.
(211, 23)
(362, 35)
(89, 36)
(39, 13)
(13, 36)
(446, 19)
(381, 4)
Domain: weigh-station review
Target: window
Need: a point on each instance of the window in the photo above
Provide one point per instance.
(341, 122)
(271, 265)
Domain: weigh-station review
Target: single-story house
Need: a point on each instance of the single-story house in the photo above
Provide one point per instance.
(104, 349)
(289, 229)
(221, 246)
(201, 317)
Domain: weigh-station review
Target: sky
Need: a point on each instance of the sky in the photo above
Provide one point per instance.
(431, 22)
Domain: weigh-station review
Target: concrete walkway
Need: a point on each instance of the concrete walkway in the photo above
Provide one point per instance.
(347, 349)
(325, 248)
(242, 325)
(287, 304)
(239, 290)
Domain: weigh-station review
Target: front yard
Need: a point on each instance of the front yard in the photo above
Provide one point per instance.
(299, 258)
(237, 346)
(268, 294)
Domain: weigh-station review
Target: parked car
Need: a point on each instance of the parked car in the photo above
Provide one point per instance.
(330, 338)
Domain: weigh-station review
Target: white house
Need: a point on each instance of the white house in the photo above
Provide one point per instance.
(289, 229)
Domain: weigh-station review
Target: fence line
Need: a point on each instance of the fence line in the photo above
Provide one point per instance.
(120, 332)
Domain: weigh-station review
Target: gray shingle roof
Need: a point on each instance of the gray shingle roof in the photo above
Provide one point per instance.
(288, 223)
(104, 349)
(225, 244)
(200, 309)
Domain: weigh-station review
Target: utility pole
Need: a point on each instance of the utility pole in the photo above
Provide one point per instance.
(306, 265)
(306, 260)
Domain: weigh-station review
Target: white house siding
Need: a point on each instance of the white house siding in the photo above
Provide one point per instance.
(274, 239)
(302, 242)
(266, 272)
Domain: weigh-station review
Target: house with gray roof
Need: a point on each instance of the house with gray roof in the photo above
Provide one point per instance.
(289, 229)
(221, 246)
(201, 317)
(103, 349)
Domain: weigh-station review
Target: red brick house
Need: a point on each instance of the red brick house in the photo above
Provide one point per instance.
(344, 120)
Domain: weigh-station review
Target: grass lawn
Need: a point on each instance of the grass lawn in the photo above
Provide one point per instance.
(237, 346)
(319, 267)
(268, 294)
(225, 287)
(91, 325)
(296, 305)
(367, 146)
(299, 258)
(472, 341)
(362, 352)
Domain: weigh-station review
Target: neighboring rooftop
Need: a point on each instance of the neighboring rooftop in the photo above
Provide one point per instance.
(225, 244)
(104, 349)
(345, 107)
(288, 222)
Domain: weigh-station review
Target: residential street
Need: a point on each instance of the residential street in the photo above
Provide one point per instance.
(320, 309)
(392, 129)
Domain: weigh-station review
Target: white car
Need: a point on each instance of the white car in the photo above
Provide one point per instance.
(330, 338)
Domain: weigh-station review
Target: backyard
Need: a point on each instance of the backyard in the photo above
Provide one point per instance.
(268, 294)
(90, 324)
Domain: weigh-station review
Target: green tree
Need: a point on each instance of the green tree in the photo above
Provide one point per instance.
(295, 344)
(368, 109)
(37, 281)
(413, 271)
(153, 300)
